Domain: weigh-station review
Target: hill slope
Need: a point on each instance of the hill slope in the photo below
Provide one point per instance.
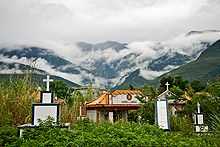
(37, 78)
(206, 67)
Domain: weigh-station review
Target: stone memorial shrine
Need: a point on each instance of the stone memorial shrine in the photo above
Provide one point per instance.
(44, 110)
(161, 111)
(199, 126)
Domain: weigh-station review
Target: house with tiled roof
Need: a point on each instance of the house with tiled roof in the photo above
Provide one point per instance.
(112, 106)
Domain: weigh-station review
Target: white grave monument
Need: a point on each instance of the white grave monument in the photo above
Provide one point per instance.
(162, 117)
(43, 110)
(198, 121)
(46, 108)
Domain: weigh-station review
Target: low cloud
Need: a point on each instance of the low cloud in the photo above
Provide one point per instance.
(95, 20)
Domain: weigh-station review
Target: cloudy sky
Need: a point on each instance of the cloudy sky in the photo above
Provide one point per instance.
(100, 20)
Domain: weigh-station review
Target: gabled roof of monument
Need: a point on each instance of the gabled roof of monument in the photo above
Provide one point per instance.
(167, 93)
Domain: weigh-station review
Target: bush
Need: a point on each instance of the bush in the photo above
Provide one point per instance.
(183, 124)
(85, 133)
(8, 135)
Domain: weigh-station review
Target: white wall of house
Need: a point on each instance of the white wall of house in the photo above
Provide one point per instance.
(122, 99)
(92, 115)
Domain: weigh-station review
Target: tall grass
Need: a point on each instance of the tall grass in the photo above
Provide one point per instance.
(181, 124)
(16, 96)
(71, 110)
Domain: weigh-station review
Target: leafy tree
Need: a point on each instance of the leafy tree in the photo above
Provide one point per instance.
(214, 89)
(197, 85)
(61, 89)
(149, 91)
(180, 82)
(146, 114)
(177, 90)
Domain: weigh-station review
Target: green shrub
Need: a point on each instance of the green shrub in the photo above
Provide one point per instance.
(8, 135)
(85, 133)
(183, 124)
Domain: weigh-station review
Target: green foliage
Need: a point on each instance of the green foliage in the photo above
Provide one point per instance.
(70, 111)
(215, 123)
(180, 82)
(181, 124)
(197, 85)
(178, 92)
(150, 92)
(145, 114)
(214, 89)
(85, 133)
(7, 135)
(61, 89)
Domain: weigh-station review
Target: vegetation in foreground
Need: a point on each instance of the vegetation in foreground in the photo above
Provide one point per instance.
(85, 133)
(16, 97)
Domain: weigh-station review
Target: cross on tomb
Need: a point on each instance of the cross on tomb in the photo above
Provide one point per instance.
(167, 84)
(198, 107)
(48, 80)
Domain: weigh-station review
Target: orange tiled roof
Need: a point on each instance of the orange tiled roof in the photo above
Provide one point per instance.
(103, 99)
(132, 92)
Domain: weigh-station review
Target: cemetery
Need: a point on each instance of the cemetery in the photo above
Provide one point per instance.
(122, 117)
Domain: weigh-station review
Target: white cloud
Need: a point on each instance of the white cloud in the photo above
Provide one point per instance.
(59, 24)
(192, 43)
(96, 20)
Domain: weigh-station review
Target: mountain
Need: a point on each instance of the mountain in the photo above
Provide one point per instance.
(36, 53)
(17, 70)
(8, 68)
(205, 68)
(102, 46)
(41, 59)
(169, 59)
(134, 80)
(109, 63)
(38, 78)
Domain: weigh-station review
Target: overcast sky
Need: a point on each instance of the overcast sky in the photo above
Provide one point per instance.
(100, 20)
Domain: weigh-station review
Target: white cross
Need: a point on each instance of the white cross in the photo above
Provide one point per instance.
(198, 107)
(167, 84)
(48, 80)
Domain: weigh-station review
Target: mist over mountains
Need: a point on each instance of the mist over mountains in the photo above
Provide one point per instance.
(109, 63)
